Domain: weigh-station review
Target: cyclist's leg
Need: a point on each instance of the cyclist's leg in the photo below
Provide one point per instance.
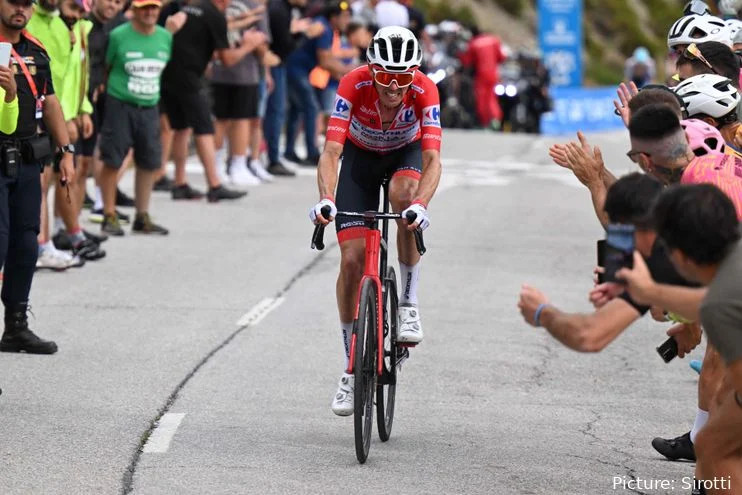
(357, 190)
(402, 191)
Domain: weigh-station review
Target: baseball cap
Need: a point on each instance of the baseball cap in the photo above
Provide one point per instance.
(145, 3)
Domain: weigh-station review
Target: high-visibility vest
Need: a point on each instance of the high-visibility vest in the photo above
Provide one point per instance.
(319, 78)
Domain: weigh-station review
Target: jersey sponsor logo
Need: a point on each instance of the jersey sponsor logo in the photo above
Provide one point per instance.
(342, 108)
(134, 54)
(335, 128)
(434, 137)
(379, 140)
(193, 10)
(432, 116)
(407, 115)
(363, 83)
(417, 88)
(367, 111)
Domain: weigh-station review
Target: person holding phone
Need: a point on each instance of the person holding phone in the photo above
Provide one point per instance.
(22, 155)
(628, 201)
(700, 227)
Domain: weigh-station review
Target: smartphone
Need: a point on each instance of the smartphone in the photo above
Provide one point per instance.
(619, 250)
(601, 259)
(5, 53)
(668, 350)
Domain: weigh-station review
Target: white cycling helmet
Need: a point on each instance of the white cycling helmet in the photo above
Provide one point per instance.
(708, 94)
(395, 49)
(734, 26)
(698, 29)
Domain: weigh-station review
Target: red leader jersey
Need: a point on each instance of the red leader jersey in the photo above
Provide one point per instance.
(356, 115)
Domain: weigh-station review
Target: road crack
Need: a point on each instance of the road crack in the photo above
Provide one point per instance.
(127, 482)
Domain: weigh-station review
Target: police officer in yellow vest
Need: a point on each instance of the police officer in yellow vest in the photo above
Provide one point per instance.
(22, 154)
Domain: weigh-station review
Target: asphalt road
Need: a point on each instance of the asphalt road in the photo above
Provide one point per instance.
(485, 405)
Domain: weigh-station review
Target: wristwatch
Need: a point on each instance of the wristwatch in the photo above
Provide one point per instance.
(67, 148)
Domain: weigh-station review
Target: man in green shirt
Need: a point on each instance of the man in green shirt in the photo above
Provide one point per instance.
(136, 56)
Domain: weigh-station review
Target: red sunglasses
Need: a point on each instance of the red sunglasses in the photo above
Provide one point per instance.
(383, 78)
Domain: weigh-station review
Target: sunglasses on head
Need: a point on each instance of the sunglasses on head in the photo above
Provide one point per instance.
(21, 3)
(692, 52)
(403, 79)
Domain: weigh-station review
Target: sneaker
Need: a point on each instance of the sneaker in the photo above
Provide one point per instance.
(242, 176)
(310, 161)
(410, 330)
(186, 192)
(88, 250)
(143, 225)
(123, 200)
(96, 238)
(257, 168)
(53, 259)
(278, 168)
(220, 192)
(164, 184)
(342, 403)
(696, 365)
(112, 226)
(97, 216)
(88, 202)
(62, 241)
(676, 448)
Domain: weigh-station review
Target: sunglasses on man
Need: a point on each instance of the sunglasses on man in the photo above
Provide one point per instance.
(21, 3)
(384, 78)
(692, 52)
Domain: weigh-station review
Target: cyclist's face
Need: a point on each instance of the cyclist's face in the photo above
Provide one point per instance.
(391, 96)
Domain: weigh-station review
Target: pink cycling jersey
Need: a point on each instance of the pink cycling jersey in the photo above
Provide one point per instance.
(724, 171)
(356, 115)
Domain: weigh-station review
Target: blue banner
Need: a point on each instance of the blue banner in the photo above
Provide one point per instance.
(585, 109)
(560, 40)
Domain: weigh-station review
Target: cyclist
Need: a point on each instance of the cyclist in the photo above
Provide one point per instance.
(390, 113)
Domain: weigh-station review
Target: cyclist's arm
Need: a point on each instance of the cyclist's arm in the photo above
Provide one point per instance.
(327, 169)
(431, 176)
(589, 332)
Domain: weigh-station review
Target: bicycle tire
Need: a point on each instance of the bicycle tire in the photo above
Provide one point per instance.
(365, 369)
(386, 388)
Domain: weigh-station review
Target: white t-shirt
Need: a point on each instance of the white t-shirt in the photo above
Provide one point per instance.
(391, 13)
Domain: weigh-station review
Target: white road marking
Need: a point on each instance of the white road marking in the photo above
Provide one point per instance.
(159, 440)
(260, 311)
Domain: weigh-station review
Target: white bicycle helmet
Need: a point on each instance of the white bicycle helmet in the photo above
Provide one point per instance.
(395, 49)
(698, 29)
(733, 25)
(708, 94)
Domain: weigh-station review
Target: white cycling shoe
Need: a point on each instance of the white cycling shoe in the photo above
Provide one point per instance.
(410, 330)
(342, 403)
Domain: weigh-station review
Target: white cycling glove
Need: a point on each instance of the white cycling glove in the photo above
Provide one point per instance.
(422, 219)
(316, 211)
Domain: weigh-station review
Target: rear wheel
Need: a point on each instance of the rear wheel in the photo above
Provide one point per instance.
(387, 384)
(365, 369)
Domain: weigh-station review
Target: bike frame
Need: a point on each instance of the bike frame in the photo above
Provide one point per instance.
(375, 264)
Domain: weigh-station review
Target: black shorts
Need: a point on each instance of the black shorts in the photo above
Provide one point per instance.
(129, 126)
(188, 111)
(235, 102)
(87, 145)
(361, 175)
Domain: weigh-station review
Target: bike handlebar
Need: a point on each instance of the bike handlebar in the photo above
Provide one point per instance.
(318, 241)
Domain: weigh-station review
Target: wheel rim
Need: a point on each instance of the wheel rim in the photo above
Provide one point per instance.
(369, 378)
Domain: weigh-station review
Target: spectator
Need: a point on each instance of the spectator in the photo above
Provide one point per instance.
(700, 227)
(359, 38)
(105, 15)
(285, 31)
(640, 68)
(416, 19)
(391, 13)
(203, 35)
(302, 98)
(364, 13)
(236, 98)
(136, 56)
(721, 60)
(484, 54)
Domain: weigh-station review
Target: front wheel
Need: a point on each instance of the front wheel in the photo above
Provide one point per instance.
(365, 369)
(387, 384)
